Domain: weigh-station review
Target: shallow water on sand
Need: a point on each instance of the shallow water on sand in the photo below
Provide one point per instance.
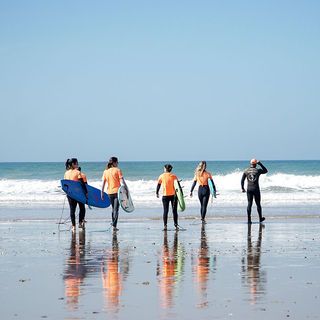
(224, 270)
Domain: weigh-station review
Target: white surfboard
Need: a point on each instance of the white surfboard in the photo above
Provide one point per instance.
(125, 199)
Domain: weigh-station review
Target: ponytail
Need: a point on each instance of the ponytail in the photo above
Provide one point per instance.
(112, 160)
(69, 163)
(201, 168)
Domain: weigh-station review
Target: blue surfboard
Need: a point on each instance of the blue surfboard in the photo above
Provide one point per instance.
(210, 184)
(75, 191)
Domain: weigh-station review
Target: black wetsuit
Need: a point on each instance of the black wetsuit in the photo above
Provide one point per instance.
(253, 191)
(73, 206)
(166, 202)
(204, 196)
(115, 208)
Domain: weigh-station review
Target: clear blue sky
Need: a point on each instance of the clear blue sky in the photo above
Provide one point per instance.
(159, 80)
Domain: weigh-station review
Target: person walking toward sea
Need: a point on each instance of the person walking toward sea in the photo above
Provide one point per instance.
(73, 173)
(252, 175)
(114, 178)
(202, 176)
(169, 195)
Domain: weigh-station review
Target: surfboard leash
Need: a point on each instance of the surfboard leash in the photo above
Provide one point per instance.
(64, 202)
(65, 220)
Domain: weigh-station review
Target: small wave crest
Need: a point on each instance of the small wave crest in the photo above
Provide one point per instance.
(285, 189)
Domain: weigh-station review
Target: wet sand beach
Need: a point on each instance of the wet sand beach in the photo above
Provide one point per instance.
(224, 270)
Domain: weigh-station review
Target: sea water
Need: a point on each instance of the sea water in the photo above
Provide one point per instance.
(287, 183)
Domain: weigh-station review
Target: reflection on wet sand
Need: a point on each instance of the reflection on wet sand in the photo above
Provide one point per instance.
(169, 274)
(76, 270)
(114, 271)
(252, 277)
(201, 269)
(113, 266)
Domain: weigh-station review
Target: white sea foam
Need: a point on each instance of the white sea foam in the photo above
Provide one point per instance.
(277, 189)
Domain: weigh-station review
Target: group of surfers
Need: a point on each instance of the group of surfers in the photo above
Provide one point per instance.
(113, 177)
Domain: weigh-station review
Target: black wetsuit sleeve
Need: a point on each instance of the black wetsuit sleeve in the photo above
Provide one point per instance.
(264, 169)
(158, 188)
(242, 180)
(193, 185)
(83, 185)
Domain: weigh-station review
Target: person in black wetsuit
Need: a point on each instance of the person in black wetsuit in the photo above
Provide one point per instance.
(252, 175)
(202, 176)
(73, 173)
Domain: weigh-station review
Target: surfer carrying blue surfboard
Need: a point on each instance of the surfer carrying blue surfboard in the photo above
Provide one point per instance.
(169, 195)
(202, 176)
(114, 178)
(252, 175)
(73, 173)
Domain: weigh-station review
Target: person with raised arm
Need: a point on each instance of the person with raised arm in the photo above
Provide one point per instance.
(252, 175)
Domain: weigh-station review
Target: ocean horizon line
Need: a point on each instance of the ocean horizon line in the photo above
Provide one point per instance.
(157, 161)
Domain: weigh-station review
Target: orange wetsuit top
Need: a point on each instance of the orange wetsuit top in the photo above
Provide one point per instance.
(73, 174)
(167, 179)
(203, 180)
(112, 176)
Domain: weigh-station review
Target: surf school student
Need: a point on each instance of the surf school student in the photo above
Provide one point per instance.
(73, 173)
(114, 178)
(252, 175)
(169, 195)
(202, 176)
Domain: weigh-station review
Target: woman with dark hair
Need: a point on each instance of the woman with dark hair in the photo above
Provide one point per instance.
(202, 176)
(114, 178)
(73, 173)
(169, 195)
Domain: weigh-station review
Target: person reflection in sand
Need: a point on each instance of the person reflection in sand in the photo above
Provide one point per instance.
(201, 269)
(172, 268)
(76, 270)
(252, 277)
(114, 273)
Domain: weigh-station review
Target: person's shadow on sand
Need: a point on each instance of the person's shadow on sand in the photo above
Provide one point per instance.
(114, 271)
(203, 265)
(76, 270)
(171, 269)
(253, 278)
